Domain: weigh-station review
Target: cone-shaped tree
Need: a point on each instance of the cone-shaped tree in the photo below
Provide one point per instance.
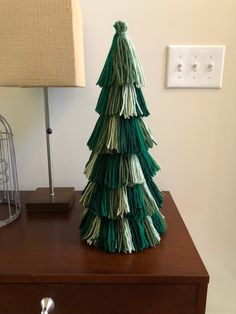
(122, 202)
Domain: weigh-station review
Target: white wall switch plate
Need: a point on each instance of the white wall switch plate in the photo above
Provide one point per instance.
(195, 66)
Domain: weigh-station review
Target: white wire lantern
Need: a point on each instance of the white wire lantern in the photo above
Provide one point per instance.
(9, 190)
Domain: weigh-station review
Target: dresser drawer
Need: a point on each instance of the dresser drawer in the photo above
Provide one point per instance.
(100, 298)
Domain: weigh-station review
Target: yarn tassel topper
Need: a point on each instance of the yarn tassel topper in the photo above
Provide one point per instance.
(122, 65)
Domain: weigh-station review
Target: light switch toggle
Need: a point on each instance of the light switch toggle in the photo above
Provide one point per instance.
(180, 67)
(195, 67)
(210, 67)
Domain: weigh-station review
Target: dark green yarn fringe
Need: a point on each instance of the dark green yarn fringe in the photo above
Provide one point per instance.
(104, 206)
(104, 101)
(159, 223)
(148, 164)
(107, 236)
(139, 238)
(110, 233)
(132, 135)
(106, 171)
(105, 78)
(156, 193)
(114, 170)
(142, 102)
(105, 201)
(136, 200)
(97, 132)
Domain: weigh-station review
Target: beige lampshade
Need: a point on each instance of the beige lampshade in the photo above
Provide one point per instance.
(41, 43)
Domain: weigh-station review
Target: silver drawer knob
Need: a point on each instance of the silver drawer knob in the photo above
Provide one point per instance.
(47, 305)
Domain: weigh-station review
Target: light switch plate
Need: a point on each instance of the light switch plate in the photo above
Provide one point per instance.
(194, 66)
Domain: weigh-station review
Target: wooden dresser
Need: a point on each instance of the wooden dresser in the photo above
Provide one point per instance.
(41, 255)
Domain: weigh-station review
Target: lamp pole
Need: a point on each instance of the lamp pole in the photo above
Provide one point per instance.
(50, 199)
(49, 148)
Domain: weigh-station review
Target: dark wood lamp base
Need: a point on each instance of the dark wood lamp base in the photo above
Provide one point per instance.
(41, 200)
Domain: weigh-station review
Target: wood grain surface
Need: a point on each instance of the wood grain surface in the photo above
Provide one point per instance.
(46, 247)
(42, 255)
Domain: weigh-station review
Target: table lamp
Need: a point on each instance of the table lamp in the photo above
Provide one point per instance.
(41, 45)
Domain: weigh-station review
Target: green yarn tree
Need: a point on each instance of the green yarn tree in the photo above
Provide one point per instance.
(122, 202)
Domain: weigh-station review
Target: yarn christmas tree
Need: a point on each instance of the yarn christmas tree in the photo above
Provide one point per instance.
(122, 202)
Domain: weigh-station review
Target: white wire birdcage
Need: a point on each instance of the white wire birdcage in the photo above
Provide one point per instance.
(9, 190)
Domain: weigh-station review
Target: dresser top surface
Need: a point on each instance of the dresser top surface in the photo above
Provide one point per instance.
(46, 247)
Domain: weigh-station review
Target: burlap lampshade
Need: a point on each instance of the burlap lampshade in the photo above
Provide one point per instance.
(41, 43)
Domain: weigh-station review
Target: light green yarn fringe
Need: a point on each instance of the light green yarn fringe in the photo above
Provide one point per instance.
(130, 102)
(126, 64)
(123, 101)
(106, 202)
(126, 101)
(92, 231)
(122, 65)
(124, 237)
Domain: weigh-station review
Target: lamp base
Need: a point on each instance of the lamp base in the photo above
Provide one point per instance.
(41, 200)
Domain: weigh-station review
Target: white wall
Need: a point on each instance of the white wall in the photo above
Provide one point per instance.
(195, 128)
